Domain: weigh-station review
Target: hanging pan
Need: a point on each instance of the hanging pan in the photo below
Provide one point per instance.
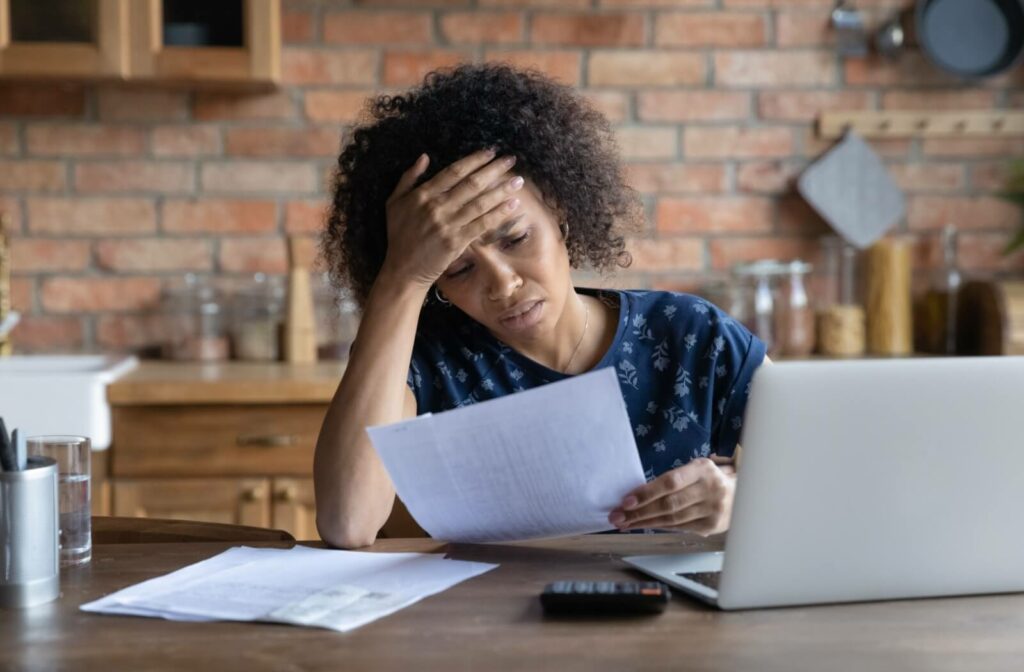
(971, 38)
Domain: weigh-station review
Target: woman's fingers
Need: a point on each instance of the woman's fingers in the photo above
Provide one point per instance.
(502, 212)
(456, 173)
(664, 508)
(698, 511)
(479, 182)
(670, 481)
(490, 200)
(409, 177)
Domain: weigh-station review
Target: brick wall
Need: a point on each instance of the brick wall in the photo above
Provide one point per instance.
(116, 190)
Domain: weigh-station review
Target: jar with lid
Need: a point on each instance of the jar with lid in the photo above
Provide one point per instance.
(758, 301)
(797, 314)
(337, 320)
(257, 319)
(195, 321)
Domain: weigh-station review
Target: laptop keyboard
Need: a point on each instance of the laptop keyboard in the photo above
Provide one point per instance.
(709, 579)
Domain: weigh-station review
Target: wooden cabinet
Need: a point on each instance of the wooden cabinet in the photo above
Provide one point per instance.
(226, 443)
(192, 41)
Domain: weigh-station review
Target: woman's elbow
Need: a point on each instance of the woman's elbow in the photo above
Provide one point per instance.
(339, 534)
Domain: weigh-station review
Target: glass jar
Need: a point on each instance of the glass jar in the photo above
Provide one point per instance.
(257, 319)
(337, 320)
(759, 299)
(194, 318)
(797, 314)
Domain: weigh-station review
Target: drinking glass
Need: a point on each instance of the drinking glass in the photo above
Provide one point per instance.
(72, 454)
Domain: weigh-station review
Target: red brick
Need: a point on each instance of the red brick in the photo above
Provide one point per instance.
(727, 252)
(32, 175)
(192, 140)
(775, 68)
(243, 106)
(119, 176)
(49, 334)
(407, 68)
(964, 212)
(728, 142)
(259, 177)
(990, 175)
(561, 65)
(928, 176)
(767, 177)
(681, 178)
(984, 252)
(22, 294)
(791, 3)
(253, 255)
(804, 29)
(91, 216)
(219, 216)
(973, 99)
(666, 254)
(41, 100)
(355, 27)
(482, 27)
(117, 104)
(296, 26)
(414, 3)
(645, 68)
(588, 30)
(693, 105)
(912, 68)
(682, 283)
(642, 4)
(807, 105)
(709, 29)
(336, 106)
(305, 216)
(154, 255)
(797, 217)
(9, 144)
(647, 142)
(75, 295)
(282, 142)
(713, 215)
(32, 255)
(131, 332)
(319, 66)
(12, 208)
(555, 4)
(612, 104)
(84, 140)
(972, 147)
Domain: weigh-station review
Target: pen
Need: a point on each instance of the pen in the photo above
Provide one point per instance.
(20, 450)
(7, 461)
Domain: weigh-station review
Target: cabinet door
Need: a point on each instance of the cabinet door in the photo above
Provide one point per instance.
(294, 507)
(243, 501)
(66, 38)
(228, 41)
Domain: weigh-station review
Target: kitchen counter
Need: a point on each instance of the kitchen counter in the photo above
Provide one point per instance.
(170, 383)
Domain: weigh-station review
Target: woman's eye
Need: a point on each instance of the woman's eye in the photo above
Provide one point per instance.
(461, 271)
(515, 241)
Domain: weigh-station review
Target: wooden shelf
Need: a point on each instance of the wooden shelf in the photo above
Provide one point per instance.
(922, 124)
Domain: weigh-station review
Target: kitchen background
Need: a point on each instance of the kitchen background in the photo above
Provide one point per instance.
(115, 191)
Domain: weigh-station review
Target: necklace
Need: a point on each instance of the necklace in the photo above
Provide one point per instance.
(586, 323)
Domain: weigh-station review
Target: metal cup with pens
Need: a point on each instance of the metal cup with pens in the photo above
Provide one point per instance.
(29, 525)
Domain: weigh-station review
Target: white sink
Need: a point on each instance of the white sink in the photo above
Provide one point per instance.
(60, 394)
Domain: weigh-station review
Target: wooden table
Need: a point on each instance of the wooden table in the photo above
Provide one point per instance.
(494, 622)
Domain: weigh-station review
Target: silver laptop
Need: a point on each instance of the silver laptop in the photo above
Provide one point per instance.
(871, 480)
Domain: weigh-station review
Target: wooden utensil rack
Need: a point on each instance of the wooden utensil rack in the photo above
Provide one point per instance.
(922, 124)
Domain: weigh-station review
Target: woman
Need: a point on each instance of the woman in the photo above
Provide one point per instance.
(458, 212)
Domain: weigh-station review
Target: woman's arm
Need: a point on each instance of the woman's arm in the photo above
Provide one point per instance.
(354, 494)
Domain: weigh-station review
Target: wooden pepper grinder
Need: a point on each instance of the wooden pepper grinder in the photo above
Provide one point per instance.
(300, 322)
(890, 325)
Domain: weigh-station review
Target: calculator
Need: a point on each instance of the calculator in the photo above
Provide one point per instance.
(583, 598)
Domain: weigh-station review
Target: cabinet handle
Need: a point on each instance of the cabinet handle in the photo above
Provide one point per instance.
(252, 494)
(287, 495)
(265, 440)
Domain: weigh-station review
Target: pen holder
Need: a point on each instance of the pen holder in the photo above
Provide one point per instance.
(29, 528)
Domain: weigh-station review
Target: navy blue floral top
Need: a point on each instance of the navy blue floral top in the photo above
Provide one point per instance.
(684, 368)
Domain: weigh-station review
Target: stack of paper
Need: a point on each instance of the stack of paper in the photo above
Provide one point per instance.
(338, 590)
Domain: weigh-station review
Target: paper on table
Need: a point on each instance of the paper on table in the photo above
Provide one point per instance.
(548, 462)
(339, 590)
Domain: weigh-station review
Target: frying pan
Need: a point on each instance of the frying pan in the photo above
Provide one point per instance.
(971, 38)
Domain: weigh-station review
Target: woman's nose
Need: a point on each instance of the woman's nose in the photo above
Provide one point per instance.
(503, 281)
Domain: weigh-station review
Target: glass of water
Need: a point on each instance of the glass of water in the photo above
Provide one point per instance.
(72, 454)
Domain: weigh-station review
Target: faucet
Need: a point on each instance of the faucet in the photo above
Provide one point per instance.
(8, 318)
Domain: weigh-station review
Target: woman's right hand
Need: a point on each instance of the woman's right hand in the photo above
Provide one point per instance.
(431, 225)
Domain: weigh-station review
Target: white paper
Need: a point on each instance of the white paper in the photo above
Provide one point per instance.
(339, 590)
(548, 462)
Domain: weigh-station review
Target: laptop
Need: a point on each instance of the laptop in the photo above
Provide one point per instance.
(870, 480)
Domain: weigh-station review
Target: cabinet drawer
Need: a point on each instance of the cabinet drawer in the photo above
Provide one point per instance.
(215, 440)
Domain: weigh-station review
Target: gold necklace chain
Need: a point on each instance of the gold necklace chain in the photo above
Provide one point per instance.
(586, 323)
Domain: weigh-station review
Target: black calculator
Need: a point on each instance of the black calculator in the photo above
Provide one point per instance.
(582, 598)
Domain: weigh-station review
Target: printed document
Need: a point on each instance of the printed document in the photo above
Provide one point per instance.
(548, 462)
(338, 590)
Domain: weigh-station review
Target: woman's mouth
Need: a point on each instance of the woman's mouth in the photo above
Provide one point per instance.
(525, 319)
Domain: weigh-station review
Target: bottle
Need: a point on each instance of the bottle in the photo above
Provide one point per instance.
(797, 315)
(937, 311)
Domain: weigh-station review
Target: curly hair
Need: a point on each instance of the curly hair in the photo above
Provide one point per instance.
(559, 140)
